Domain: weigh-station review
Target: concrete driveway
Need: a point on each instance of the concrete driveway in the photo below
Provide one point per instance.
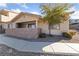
(40, 47)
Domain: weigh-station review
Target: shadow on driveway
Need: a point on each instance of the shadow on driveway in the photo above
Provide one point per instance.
(47, 39)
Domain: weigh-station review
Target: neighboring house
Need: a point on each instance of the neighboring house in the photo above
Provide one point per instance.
(74, 21)
(74, 24)
(27, 25)
(6, 16)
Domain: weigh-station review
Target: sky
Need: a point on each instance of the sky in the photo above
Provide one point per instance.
(18, 7)
(35, 8)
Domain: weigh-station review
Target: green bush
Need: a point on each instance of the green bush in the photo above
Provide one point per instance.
(69, 34)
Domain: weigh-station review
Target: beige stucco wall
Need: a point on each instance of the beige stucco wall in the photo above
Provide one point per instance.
(9, 17)
(11, 25)
(64, 27)
(5, 26)
(44, 27)
(26, 18)
(23, 33)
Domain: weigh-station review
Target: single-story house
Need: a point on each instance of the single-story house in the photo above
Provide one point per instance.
(27, 25)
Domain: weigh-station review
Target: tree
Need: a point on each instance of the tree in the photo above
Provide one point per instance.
(55, 15)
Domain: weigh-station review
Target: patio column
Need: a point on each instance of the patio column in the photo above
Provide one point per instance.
(36, 24)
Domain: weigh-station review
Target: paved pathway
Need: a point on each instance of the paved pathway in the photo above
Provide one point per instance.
(42, 47)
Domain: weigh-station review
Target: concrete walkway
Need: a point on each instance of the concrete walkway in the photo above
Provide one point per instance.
(40, 47)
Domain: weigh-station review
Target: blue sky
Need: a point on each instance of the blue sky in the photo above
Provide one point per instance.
(34, 8)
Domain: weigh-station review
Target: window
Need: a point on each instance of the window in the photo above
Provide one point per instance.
(32, 25)
(54, 26)
(21, 25)
(8, 25)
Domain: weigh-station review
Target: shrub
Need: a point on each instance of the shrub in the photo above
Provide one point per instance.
(72, 33)
(69, 34)
(42, 35)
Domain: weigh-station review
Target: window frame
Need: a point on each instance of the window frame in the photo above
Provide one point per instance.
(30, 25)
(55, 26)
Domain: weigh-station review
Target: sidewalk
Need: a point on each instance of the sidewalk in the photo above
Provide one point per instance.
(40, 47)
